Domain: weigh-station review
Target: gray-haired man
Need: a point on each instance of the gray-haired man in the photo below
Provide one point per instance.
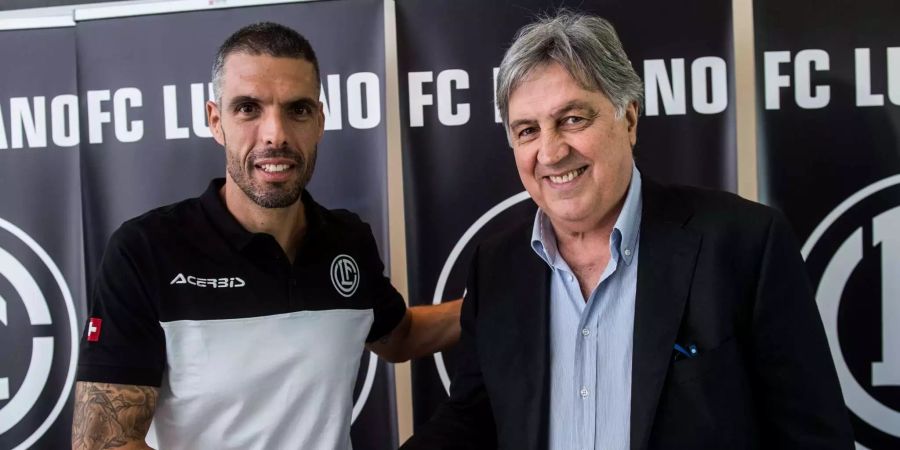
(628, 315)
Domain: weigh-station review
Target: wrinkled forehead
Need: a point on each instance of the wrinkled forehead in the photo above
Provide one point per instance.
(549, 81)
(584, 80)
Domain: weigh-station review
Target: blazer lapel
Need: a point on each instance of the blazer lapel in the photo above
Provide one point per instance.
(529, 300)
(668, 254)
(524, 325)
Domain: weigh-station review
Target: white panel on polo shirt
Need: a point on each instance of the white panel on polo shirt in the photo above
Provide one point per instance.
(273, 382)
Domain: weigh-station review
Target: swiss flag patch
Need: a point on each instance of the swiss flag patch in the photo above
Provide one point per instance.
(93, 332)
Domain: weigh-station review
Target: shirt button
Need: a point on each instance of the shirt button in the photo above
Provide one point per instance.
(627, 252)
(584, 392)
(585, 332)
(571, 278)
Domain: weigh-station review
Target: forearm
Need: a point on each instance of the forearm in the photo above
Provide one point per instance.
(133, 445)
(433, 328)
(112, 416)
(422, 331)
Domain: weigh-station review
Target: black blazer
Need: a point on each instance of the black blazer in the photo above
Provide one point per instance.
(714, 270)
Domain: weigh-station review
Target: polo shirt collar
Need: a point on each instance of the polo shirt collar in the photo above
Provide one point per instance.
(235, 233)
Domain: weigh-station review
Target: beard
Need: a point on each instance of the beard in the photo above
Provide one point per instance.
(271, 195)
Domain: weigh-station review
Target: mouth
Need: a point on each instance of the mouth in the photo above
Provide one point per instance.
(274, 168)
(567, 177)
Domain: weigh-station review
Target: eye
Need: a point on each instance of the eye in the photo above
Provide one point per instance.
(246, 108)
(573, 120)
(301, 110)
(526, 132)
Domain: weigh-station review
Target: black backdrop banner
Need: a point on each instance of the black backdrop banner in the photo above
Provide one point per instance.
(136, 138)
(460, 179)
(41, 258)
(828, 105)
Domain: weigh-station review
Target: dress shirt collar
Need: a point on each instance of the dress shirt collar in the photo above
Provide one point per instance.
(623, 239)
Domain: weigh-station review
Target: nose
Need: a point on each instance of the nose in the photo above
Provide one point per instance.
(553, 149)
(272, 130)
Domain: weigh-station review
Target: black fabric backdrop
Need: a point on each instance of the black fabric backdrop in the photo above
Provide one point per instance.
(833, 169)
(148, 155)
(40, 212)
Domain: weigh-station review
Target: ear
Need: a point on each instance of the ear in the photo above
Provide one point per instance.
(213, 115)
(321, 117)
(631, 121)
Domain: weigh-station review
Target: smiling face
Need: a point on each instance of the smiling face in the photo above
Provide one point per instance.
(573, 154)
(269, 120)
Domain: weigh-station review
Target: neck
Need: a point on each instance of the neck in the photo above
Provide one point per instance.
(585, 248)
(287, 225)
(589, 233)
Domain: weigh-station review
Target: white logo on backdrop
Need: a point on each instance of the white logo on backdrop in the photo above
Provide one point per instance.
(37, 308)
(451, 261)
(344, 275)
(843, 262)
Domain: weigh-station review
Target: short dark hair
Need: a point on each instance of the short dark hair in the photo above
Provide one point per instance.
(263, 38)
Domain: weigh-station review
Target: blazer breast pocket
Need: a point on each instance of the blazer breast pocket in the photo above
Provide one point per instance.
(706, 403)
(724, 357)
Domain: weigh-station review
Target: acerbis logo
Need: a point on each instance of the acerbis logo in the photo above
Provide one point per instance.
(221, 282)
(853, 256)
(440, 290)
(344, 275)
(39, 335)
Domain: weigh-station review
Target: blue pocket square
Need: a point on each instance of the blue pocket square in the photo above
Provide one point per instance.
(689, 352)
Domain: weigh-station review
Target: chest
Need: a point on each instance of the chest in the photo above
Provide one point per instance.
(196, 285)
(230, 357)
(587, 264)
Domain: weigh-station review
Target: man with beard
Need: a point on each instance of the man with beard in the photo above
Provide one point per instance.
(236, 320)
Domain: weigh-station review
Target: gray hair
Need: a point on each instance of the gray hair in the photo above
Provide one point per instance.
(586, 46)
(263, 38)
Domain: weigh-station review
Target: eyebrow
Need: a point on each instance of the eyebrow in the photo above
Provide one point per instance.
(241, 99)
(575, 105)
(517, 123)
(304, 101)
(561, 111)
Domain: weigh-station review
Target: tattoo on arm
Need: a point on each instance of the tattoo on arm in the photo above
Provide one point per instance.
(111, 415)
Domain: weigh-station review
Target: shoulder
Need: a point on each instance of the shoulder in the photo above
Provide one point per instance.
(511, 245)
(342, 218)
(344, 231)
(158, 225)
(344, 223)
(714, 210)
(729, 226)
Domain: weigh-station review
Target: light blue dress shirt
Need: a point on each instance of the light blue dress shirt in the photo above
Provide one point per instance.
(591, 341)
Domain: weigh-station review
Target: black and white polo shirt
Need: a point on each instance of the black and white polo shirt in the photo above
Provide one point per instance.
(249, 350)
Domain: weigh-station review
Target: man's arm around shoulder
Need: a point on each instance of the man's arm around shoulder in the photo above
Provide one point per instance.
(422, 331)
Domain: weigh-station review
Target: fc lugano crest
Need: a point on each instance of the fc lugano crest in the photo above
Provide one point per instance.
(451, 281)
(38, 332)
(344, 275)
(854, 259)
